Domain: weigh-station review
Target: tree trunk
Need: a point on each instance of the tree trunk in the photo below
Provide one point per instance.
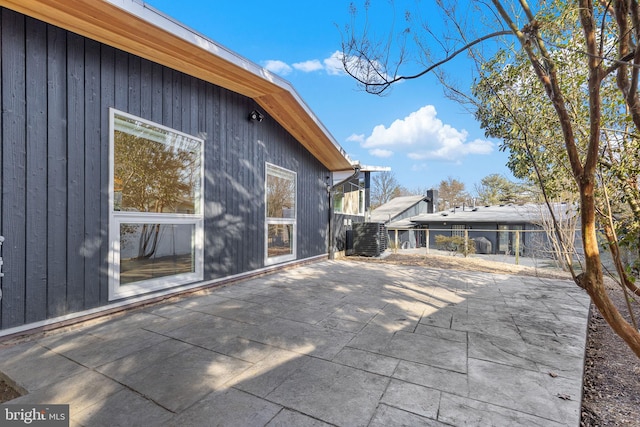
(615, 254)
(605, 306)
(592, 280)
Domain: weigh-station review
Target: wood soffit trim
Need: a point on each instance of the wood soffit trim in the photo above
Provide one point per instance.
(109, 24)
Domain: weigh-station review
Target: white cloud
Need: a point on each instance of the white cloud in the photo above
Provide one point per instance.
(379, 152)
(333, 64)
(278, 67)
(356, 138)
(423, 136)
(420, 167)
(308, 66)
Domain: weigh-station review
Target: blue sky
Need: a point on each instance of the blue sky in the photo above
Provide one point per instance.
(415, 130)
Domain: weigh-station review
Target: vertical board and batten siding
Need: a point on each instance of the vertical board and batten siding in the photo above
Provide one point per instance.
(57, 161)
(57, 88)
(14, 215)
(36, 186)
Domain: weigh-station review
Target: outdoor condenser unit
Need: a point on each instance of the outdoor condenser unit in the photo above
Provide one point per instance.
(369, 238)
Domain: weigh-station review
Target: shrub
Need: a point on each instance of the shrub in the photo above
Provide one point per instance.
(456, 244)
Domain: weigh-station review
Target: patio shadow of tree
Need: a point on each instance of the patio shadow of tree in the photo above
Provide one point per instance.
(297, 341)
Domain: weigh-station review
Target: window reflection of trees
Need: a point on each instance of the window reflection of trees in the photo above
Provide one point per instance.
(280, 212)
(153, 176)
(280, 197)
(280, 240)
(154, 171)
(173, 256)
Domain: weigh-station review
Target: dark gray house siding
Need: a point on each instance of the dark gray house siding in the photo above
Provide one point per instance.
(418, 208)
(57, 88)
(529, 242)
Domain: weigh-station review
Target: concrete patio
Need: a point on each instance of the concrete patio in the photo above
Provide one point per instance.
(333, 343)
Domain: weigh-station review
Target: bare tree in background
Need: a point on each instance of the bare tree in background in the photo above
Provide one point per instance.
(385, 187)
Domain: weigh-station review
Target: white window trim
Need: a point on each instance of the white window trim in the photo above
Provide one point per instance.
(116, 291)
(457, 230)
(282, 173)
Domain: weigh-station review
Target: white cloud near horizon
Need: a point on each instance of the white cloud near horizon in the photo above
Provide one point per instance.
(423, 136)
(356, 138)
(332, 65)
(379, 152)
(278, 67)
(308, 66)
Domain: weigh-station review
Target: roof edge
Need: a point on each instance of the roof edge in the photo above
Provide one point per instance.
(139, 29)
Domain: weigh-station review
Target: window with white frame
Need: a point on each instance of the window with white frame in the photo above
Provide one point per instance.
(457, 230)
(281, 215)
(155, 205)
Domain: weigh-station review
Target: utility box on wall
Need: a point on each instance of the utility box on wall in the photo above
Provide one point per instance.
(369, 238)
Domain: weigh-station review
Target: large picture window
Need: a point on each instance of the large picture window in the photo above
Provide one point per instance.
(155, 207)
(281, 214)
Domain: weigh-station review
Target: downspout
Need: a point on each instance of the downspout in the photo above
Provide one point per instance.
(332, 246)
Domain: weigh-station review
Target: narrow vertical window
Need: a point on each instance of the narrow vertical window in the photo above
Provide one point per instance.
(503, 239)
(281, 214)
(155, 207)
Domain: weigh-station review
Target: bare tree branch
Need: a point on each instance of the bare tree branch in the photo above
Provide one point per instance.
(384, 82)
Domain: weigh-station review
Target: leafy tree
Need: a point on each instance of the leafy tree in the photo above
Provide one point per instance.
(452, 193)
(578, 66)
(507, 107)
(495, 189)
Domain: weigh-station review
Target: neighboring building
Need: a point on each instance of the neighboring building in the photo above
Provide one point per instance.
(495, 229)
(140, 159)
(405, 207)
(351, 195)
(400, 208)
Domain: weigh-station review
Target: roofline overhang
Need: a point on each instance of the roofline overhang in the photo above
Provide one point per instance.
(368, 168)
(137, 28)
(471, 220)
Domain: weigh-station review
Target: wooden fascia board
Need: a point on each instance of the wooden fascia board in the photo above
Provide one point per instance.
(191, 54)
(139, 37)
